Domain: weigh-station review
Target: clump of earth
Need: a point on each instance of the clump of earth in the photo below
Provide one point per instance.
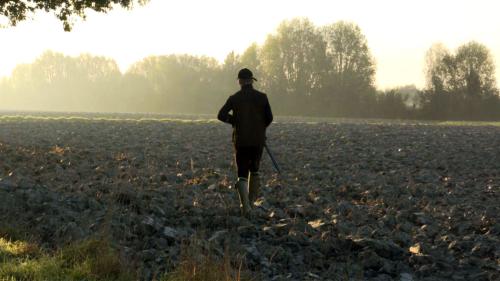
(357, 200)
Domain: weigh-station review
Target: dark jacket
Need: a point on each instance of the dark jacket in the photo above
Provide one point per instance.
(251, 116)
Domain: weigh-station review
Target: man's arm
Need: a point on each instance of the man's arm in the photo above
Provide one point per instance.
(224, 115)
(268, 114)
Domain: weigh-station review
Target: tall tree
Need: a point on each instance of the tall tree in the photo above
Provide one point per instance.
(226, 80)
(439, 69)
(65, 10)
(459, 84)
(470, 71)
(351, 66)
(436, 68)
(250, 59)
(475, 69)
(291, 63)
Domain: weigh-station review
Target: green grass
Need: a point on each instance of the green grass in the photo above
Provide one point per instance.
(469, 123)
(88, 260)
(96, 260)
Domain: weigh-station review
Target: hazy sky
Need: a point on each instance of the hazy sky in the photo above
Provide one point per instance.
(399, 32)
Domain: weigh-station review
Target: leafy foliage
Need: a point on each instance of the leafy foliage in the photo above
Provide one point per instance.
(460, 85)
(351, 68)
(65, 10)
(292, 62)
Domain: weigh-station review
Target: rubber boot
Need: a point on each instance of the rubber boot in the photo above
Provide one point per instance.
(242, 187)
(253, 187)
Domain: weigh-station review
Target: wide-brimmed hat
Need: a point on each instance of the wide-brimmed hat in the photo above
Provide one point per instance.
(246, 74)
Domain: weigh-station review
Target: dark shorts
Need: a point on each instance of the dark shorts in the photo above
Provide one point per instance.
(248, 159)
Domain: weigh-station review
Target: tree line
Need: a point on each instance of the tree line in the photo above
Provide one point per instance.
(305, 69)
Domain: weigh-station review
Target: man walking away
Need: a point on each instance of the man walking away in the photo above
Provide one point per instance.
(251, 115)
